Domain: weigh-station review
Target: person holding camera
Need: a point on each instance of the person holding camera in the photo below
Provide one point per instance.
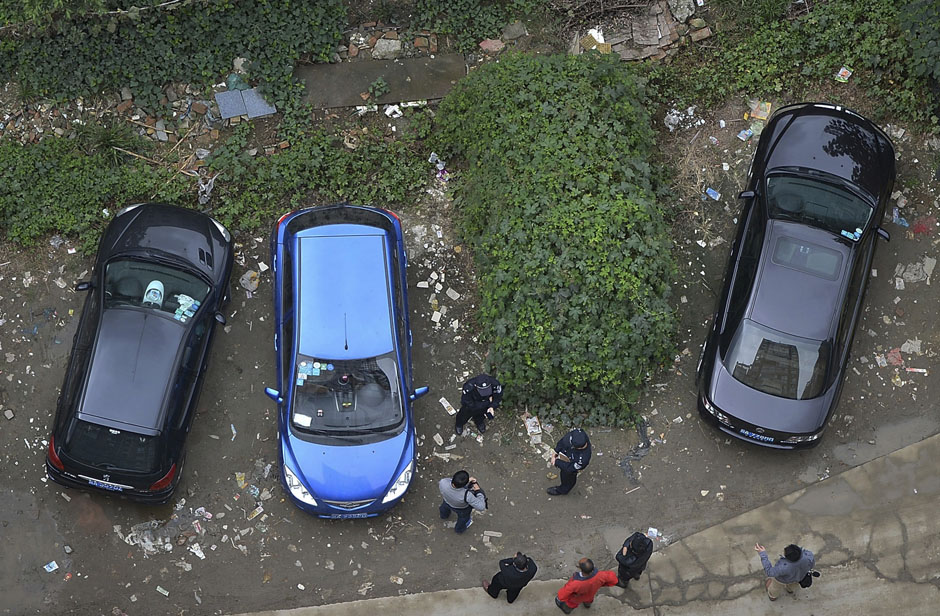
(461, 494)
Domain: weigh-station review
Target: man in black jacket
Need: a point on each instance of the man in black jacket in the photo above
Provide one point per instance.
(633, 557)
(479, 400)
(572, 455)
(514, 573)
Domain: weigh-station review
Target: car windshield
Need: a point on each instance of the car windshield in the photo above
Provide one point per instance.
(110, 449)
(776, 363)
(129, 282)
(346, 396)
(818, 204)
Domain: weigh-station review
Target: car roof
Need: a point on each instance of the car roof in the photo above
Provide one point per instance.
(133, 363)
(792, 299)
(344, 309)
(833, 140)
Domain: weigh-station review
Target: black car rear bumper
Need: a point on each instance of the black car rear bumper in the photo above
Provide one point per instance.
(146, 497)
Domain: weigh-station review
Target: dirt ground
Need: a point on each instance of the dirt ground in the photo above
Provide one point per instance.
(674, 473)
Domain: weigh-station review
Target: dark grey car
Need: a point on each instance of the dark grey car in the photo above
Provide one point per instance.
(773, 364)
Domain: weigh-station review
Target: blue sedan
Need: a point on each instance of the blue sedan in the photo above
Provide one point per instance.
(343, 348)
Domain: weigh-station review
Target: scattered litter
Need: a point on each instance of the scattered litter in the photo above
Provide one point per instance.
(393, 111)
(263, 267)
(917, 370)
(713, 139)
(205, 188)
(704, 492)
(924, 225)
(447, 406)
(234, 432)
(532, 426)
(894, 357)
(163, 591)
(240, 480)
(843, 75)
(249, 280)
(745, 134)
(912, 347)
(255, 512)
(361, 110)
(677, 420)
(653, 533)
(881, 361)
(492, 533)
(396, 580)
(195, 549)
(8, 414)
(897, 219)
(51, 566)
(760, 110)
(714, 194)
(438, 439)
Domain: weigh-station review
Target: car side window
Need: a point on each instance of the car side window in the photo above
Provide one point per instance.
(81, 351)
(193, 353)
(748, 258)
(287, 303)
(401, 314)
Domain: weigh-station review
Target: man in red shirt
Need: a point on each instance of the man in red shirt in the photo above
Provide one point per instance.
(583, 585)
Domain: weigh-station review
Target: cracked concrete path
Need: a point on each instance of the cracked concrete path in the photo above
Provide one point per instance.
(873, 530)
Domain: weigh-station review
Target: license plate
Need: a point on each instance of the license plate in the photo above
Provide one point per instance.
(105, 485)
(756, 437)
(347, 516)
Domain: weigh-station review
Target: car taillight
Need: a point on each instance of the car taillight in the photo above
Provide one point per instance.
(281, 219)
(165, 481)
(393, 214)
(53, 456)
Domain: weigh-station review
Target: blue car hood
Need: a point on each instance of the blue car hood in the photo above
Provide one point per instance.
(766, 410)
(348, 472)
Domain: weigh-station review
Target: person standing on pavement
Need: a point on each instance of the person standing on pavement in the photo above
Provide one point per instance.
(792, 567)
(479, 399)
(514, 573)
(582, 587)
(461, 494)
(572, 455)
(633, 557)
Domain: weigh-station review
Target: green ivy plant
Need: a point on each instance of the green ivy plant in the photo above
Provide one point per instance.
(558, 203)
(191, 41)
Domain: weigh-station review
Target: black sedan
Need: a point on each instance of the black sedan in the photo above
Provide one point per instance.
(773, 364)
(140, 352)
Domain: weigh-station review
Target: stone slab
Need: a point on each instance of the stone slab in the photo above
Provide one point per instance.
(231, 104)
(255, 105)
(409, 79)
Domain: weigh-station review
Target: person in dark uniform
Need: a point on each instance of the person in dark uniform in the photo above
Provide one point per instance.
(479, 400)
(514, 573)
(572, 455)
(633, 557)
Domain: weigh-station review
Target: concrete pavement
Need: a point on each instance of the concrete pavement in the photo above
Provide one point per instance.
(874, 530)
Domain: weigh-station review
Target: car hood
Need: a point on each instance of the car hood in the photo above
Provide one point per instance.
(133, 364)
(348, 472)
(764, 410)
(832, 141)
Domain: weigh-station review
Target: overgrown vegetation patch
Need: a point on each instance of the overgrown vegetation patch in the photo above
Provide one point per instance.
(573, 252)
(893, 47)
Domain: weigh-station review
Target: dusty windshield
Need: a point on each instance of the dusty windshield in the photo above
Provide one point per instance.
(346, 395)
(128, 282)
(818, 204)
(777, 363)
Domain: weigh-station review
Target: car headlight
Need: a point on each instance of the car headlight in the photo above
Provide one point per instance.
(714, 411)
(401, 484)
(803, 438)
(296, 488)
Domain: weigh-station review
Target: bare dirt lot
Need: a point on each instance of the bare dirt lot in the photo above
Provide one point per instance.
(114, 556)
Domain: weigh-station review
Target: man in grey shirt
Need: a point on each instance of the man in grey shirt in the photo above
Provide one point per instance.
(789, 570)
(461, 494)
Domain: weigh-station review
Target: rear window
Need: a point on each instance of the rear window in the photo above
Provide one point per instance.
(808, 257)
(776, 363)
(110, 449)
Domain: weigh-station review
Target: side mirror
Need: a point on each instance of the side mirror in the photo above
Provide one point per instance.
(747, 194)
(220, 318)
(884, 234)
(84, 286)
(419, 392)
(274, 394)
